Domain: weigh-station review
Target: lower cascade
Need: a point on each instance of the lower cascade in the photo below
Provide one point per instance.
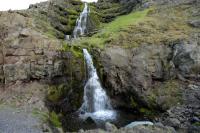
(96, 103)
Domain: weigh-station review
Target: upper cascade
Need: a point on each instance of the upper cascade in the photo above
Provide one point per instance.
(81, 23)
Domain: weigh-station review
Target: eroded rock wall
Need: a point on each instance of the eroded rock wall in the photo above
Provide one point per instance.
(27, 54)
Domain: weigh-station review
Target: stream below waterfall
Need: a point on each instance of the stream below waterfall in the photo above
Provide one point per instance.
(73, 122)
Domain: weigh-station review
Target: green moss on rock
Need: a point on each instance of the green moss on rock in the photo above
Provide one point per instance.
(196, 124)
(147, 112)
(165, 95)
(72, 12)
(133, 103)
(56, 93)
(54, 119)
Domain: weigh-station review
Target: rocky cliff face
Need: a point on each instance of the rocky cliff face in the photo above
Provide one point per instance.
(26, 53)
(150, 65)
(29, 55)
(143, 71)
(30, 46)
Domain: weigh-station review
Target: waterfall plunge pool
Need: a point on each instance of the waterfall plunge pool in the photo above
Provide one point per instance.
(96, 109)
(73, 122)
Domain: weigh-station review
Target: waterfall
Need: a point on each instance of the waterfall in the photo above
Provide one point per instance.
(96, 102)
(81, 23)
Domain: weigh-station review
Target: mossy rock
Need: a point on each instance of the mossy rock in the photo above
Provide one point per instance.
(95, 19)
(60, 35)
(133, 103)
(56, 93)
(63, 20)
(165, 95)
(196, 124)
(72, 12)
(148, 112)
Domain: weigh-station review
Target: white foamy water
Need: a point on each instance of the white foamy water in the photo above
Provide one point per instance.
(89, 0)
(100, 115)
(81, 23)
(96, 102)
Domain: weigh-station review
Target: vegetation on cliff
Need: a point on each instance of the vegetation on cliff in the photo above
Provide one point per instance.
(155, 25)
(147, 56)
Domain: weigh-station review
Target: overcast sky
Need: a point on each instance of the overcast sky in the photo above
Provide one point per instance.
(21, 4)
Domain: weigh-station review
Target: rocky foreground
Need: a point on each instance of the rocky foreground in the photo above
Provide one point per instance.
(12, 120)
(158, 128)
(148, 64)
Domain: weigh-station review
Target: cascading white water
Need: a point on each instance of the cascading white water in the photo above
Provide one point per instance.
(96, 102)
(81, 23)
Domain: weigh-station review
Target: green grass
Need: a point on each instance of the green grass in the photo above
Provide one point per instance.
(150, 26)
(54, 119)
(72, 12)
(40, 114)
(111, 30)
(124, 21)
(76, 50)
(45, 27)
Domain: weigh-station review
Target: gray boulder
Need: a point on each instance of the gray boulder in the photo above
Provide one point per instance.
(195, 23)
(136, 123)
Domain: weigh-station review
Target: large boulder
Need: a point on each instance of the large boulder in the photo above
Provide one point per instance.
(195, 23)
(187, 59)
(132, 72)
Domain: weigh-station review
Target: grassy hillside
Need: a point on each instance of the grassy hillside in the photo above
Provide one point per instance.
(111, 30)
(155, 25)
